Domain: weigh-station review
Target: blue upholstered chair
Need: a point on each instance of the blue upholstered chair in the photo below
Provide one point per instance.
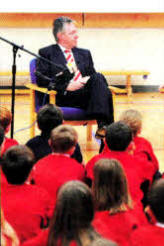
(73, 116)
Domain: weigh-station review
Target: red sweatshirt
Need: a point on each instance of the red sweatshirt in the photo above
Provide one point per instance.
(26, 207)
(54, 170)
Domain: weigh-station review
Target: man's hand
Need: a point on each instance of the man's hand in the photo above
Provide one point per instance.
(84, 79)
(73, 86)
(76, 85)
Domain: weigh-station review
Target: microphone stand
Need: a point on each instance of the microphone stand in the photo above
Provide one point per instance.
(14, 68)
(15, 50)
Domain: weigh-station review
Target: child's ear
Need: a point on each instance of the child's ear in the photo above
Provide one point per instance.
(7, 129)
(149, 214)
(49, 142)
(139, 131)
(131, 147)
(71, 150)
(2, 148)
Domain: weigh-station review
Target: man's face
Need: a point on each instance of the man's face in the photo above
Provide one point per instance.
(68, 37)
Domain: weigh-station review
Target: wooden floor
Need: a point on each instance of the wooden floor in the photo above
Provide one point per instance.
(151, 105)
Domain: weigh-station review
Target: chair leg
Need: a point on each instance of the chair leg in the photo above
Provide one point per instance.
(32, 131)
(89, 132)
(114, 101)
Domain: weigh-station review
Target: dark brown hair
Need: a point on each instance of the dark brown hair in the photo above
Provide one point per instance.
(73, 215)
(156, 200)
(110, 187)
(118, 136)
(18, 161)
(48, 117)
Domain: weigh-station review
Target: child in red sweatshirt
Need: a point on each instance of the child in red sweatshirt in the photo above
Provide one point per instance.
(26, 207)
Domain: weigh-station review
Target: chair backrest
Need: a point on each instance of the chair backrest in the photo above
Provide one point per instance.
(32, 71)
(40, 98)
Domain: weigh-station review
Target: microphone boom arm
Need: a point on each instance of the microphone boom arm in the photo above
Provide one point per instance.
(15, 49)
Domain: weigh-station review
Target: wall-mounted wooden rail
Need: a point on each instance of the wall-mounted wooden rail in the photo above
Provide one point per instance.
(127, 73)
(91, 20)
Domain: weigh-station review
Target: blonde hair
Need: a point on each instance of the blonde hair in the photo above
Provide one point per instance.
(133, 119)
(63, 138)
(5, 117)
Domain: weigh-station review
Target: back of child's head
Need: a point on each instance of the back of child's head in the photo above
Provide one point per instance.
(63, 138)
(118, 136)
(156, 200)
(73, 212)
(49, 117)
(5, 117)
(132, 118)
(110, 186)
(17, 164)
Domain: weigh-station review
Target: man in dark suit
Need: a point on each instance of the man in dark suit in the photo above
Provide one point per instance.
(87, 89)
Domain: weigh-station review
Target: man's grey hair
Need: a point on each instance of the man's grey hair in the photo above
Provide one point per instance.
(58, 25)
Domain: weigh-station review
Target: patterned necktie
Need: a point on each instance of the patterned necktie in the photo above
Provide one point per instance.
(71, 63)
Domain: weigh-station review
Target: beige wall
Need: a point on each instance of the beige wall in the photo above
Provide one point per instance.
(112, 49)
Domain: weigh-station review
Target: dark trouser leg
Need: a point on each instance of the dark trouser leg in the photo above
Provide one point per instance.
(101, 146)
(95, 97)
(75, 99)
(100, 103)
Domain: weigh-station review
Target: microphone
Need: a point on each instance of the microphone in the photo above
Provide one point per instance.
(42, 76)
(60, 80)
(51, 85)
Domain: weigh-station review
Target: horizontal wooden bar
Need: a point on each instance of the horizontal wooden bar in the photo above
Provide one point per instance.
(40, 89)
(117, 90)
(124, 20)
(105, 72)
(33, 20)
(91, 20)
(9, 73)
(17, 91)
(124, 72)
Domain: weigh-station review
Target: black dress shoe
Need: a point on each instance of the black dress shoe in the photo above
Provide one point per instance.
(101, 132)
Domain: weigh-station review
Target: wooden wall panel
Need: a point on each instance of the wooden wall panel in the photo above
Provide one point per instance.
(106, 20)
(124, 20)
(30, 20)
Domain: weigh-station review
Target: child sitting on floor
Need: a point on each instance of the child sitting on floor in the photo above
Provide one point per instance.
(143, 147)
(152, 234)
(26, 207)
(48, 118)
(5, 122)
(58, 167)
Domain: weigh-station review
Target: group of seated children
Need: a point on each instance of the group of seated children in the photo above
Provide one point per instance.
(50, 197)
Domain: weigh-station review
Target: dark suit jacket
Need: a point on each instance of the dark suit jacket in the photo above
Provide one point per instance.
(53, 53)
(40, 147)
(94, 97)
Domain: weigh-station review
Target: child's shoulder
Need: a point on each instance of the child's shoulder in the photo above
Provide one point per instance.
(140, 140)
